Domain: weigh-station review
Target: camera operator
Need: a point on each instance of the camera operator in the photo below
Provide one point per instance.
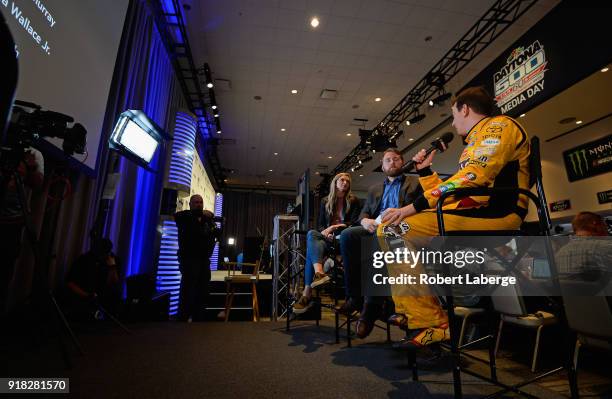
(94, 280)
(30, 169)
(197, 233)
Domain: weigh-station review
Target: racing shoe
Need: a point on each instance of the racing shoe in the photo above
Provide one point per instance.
(422, 337)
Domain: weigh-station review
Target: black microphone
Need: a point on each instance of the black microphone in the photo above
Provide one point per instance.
(435, 145)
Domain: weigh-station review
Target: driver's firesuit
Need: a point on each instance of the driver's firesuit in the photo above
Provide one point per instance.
(496, 155)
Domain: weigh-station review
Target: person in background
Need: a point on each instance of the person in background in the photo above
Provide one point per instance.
(197, 235)
(31, 170)
(93, 281)
(588, 255)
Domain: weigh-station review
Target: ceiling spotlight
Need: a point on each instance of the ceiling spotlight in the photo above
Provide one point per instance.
(352, 169)
(270, 170)
(213, 100)
(276, 153)
(377, 99)
(314, 22)
(218, 131)
(360, 162)
(360, 175)
(578, 122)
(522, 115)
(294, 91)
(415, 119)
(267, 182)
(606, 69)
(330, 157)
(348, 134)
(283, 129)
(410, 139)
(440, 99)
(208, 76)
(216, 115)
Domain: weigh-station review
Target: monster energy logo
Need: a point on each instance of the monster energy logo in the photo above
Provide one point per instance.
(580, 165)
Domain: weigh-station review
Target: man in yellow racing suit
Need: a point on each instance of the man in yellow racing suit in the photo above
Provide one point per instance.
(496, 155)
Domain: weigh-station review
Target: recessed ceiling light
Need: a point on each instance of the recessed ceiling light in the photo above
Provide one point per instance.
(408, 123)
(377, 99)
(293, 91)
(410, 139)
(330, 157)
(276, 153)
(216, 115)
(314, 22)
(522, 115)
(606, 69)
(209, 85)
(218, 131)
(214, 107)
(270, 170)
(348, 134)
(283, 129)
(360, 175)
(578, 122)
(267, 182)
(316, 173)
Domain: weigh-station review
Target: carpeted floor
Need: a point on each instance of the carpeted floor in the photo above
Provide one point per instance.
(240, 360)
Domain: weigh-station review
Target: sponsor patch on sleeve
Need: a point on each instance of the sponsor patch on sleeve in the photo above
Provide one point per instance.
(491, 142)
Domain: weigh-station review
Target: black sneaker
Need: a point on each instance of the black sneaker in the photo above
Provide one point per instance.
(302, 305)
(320, 279)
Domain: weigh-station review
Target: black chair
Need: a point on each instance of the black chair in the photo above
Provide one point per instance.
(592, 328)
(455, 239)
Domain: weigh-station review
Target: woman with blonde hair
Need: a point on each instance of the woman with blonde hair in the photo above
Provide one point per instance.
(338, 210)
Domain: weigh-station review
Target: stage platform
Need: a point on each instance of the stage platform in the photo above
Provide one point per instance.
(219, 275)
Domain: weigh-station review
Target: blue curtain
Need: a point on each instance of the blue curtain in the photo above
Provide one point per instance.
(146, 82)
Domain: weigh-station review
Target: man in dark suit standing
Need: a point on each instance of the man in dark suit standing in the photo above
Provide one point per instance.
(197, 234)
(396, 191)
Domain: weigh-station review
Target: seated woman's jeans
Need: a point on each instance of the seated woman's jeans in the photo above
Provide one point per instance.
(316, 245)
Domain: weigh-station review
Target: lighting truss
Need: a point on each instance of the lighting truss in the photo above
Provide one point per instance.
(172, 30)
(488, 28)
